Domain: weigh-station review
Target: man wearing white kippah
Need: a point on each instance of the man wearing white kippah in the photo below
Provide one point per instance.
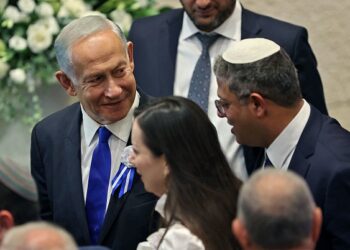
(18, 196)
(260, 97)
(168, 48)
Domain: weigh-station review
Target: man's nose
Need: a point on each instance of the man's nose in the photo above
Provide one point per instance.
(113, 88)
(203, 3)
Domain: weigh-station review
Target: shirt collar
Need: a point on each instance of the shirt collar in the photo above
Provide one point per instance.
(160, 205)
(285, 143)
(230, 29)
(121, 129)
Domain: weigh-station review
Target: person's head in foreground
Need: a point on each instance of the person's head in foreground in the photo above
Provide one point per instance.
(38, 236)
(177, 152)
(276, 211)
(258, 90)
(18, 196)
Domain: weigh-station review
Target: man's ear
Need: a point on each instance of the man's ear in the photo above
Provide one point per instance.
(6, 222)
(257, 104)
(316, 224)
(241, 234)
(131, 54)
(66, 83)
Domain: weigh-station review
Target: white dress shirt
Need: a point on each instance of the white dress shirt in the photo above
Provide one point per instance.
(117, 142)
(177, 237)
(281, 150)
(188, 52)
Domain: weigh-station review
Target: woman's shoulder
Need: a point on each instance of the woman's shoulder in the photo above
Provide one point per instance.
(177, 237)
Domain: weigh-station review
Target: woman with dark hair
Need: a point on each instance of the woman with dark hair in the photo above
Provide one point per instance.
(177, 153)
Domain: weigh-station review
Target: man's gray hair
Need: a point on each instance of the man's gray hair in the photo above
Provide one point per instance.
(274, 77)
(27, 237)
(276, 208)
(77, 29)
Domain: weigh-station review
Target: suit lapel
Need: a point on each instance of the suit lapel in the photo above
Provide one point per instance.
(250, 24)
(168, 40)
(300, 162)
(114, 208)
(72, 162)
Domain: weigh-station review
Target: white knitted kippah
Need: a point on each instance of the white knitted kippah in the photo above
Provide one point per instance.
(250, 50)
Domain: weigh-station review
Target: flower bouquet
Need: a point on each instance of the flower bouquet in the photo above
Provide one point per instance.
(28, 29)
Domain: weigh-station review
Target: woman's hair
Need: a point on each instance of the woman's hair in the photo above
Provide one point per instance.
(202, 190)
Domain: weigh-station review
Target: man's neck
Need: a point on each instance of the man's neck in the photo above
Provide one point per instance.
(279, 118)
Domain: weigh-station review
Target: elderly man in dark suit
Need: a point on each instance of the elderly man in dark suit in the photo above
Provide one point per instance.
(167, 48)
(260, 97)
(78, 156)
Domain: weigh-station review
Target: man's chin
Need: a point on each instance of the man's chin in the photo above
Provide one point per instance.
(110, 117)
(205, 23)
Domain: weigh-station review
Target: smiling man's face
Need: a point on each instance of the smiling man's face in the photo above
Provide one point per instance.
(103, 68)
(207, 15)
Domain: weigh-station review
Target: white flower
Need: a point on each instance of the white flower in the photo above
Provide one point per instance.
(38, 38)
(17, 43)
(12, 13)
(142, 3)
(27, 6)
(18, 75)
(44, 9)
(50, 24)
(3, 3)
(63, 12)
(122, 18)
(75, 8)
(127, 152)
(93, 13)
(4, 67)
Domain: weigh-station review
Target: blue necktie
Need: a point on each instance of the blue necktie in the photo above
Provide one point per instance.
(96, 197)
(200, 81)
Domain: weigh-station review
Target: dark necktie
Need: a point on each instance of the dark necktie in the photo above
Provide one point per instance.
(200, 81)
(96, 197)
(267, 162)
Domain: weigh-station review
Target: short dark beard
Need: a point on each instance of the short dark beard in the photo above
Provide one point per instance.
(221, 18)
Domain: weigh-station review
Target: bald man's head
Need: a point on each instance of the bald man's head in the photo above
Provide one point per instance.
(277, 211)
(38, 236)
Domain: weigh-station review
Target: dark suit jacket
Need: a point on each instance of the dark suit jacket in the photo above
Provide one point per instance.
(156, 40)
(322, 157)
(56, 168)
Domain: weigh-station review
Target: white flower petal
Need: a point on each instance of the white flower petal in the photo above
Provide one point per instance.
(76, 8)
(122, 19)
(27, 6)
(18, 75)
(17, 43)
(12, 13)
(38, 38)
(93, 13)
(44, 9)
(50, 24)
